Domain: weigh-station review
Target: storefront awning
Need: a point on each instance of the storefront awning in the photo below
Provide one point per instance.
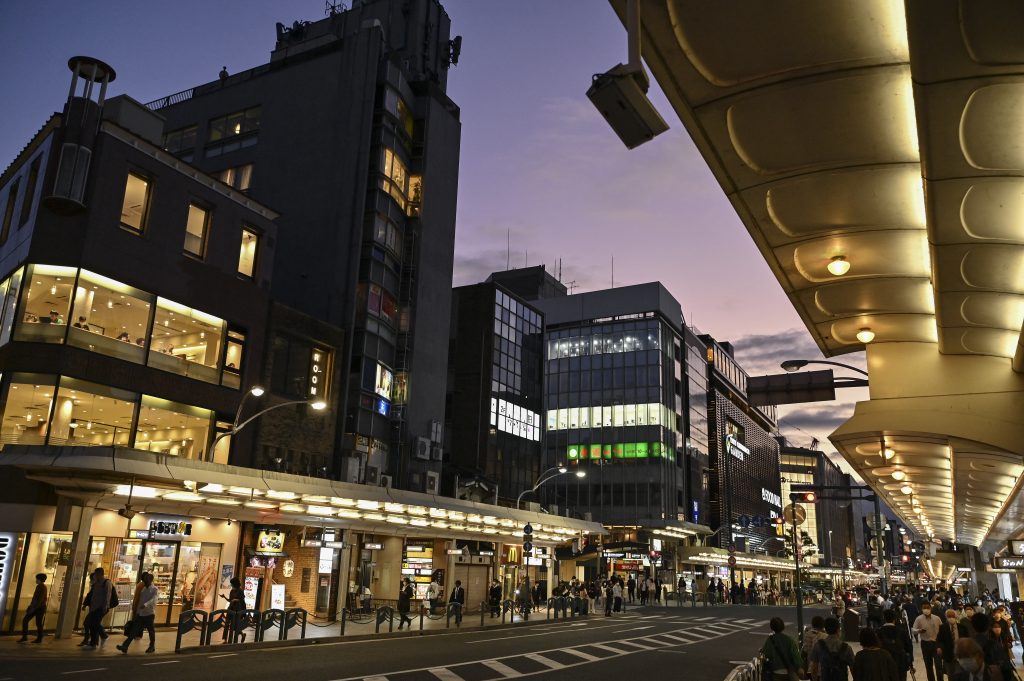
(159, 483)
(709, 555)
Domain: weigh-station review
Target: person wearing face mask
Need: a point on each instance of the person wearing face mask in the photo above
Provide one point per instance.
(926, 626)
(971, 660)
(950, 632)
(1002, 647)
(968, 614)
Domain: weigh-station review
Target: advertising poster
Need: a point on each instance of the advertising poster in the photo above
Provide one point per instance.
(251, 586)
(206, 581)
(269, 541)
(277, 596)
(224, 588)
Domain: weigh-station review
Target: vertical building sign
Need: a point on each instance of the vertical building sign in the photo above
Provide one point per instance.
(318, 373)
(8, 542)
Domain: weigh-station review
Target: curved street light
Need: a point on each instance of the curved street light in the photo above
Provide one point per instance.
(794, 364)
(256, 391)
(560, 469)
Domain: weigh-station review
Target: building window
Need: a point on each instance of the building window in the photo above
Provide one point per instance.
(171, 428)
(396, 177)
(27, 411)
(232, 376)
(238, 123)
(45, 305)
(387, 234)
(30, 192)
(11, 288)
(237, 178)
(91, 415)
(12, 198)
(299, 369)
(186, 341)
(110, 317)
(196, 226)
(247, 253)
(135, 207)
(181, 140)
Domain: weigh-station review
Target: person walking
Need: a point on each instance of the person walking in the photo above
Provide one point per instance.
(523, 598)
(831, 657)
(644, 593)
(657, 590)
(782, 656)
(143, 615)
(236, 604)
(926, 626)
(617, 594)
(872, 663)
(433, 593)
(609, 599)
(36, 610)
(720, 590)
(895, 639)
(405, 595)
(99, 603)
(459, 597)
(815, 633)
(950, 632)
(494, 598)
(631, 588)
(971, 660)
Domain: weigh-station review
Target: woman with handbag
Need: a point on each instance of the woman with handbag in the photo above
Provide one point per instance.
(782, 656)
(143, 614)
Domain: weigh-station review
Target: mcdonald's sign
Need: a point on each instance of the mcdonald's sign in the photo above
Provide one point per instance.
(511, 554)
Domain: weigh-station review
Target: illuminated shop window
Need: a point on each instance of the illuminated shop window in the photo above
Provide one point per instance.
(515, 419)
(395, 180)
(234, 353)
(171, 428)
(91, 415)
(45, 306)
(110, 317)
(186, 341)
(135, 206)
(26, 414)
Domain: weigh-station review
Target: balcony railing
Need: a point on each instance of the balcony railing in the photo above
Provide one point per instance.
(176, 98)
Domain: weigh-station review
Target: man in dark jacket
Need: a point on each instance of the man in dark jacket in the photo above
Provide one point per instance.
(950, 632)
(494, 598)
(832, 657)
(404, 603)
(895, 639)
(458, 596)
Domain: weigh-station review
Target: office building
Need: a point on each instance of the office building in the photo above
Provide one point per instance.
(348, 133)
(495, 395)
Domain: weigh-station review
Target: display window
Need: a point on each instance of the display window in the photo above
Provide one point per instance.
(109, 317)
(27, 410)
(247, 253)
(186, 341)
(46, 553)
(45, 308)
(12, 287)
(172, 428)
(87, 414)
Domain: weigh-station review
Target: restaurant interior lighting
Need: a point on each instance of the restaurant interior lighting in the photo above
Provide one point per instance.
(346, 513)
(341, 501)
(368, 504)
(264, 505)
(865, 335)
(211, 488)
(183, 496)
(136, 491)
(838, 265)
(887, 453)
(285, 496)
(320, 510)
(293, 508)
(222, 501)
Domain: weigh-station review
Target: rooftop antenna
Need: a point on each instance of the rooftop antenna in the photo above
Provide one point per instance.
(613, 271)
(570, 285)
(508, 249)
(333, 8)
(527, 251)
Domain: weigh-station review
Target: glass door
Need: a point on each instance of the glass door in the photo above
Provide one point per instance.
(160, 558)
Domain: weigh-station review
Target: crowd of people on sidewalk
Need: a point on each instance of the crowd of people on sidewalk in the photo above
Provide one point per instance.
(960, 639)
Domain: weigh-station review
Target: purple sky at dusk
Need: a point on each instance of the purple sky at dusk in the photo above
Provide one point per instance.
(538, 163)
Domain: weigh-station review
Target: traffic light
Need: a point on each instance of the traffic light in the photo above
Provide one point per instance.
(803, 497)
(528, 539)
(780, 526)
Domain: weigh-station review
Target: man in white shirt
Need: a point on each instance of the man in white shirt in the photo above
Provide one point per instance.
(926, 626)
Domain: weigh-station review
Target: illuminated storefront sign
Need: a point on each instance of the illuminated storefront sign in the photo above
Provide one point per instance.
(269, 540)
(771, 497)
(169, 528)
(318, 373)
(385, 381)
(1008, 562)
(1017, 547)
(8, 541)
(619, 450)
(736, 448)
(511, 418)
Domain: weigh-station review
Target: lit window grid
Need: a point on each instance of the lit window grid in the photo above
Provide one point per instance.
(513, 323)
(515, 420)
(810, 525)
(611, 416)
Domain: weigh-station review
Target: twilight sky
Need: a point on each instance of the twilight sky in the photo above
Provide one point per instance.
(539, 166)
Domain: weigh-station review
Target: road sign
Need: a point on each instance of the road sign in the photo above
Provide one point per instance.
(794, 511)
(732, 561)
(732, 548)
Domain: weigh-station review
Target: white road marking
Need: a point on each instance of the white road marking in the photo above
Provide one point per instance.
(676, 638)
(580, 653)
(150, 664)
(634, 643)
(444, 674)
(505, 638)
(621, 631)
(546, 661)
(85, 671)
(222, 655)
(502, 668)
(617, 651)
(705, 619)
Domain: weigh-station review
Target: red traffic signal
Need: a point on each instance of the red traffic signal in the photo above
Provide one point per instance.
(803, 497)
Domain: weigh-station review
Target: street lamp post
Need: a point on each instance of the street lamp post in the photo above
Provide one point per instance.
(558, 470)
(794, 364)
(831, 560)
(256, 391)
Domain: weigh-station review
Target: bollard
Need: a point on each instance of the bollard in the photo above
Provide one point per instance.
(482, 604)
(344, 617)
(421, 618)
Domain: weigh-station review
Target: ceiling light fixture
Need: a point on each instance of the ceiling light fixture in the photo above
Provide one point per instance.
(898, 476)
(839, 265)
(865, 335)
(906, 489)
(887, 453)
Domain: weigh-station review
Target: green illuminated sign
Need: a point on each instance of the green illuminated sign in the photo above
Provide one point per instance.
(618, 450)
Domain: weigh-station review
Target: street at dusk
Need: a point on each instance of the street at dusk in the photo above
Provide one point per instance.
(469, 340)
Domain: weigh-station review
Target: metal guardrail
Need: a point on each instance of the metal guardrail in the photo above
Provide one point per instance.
(235, 623)
(749, 671)
(176, 98)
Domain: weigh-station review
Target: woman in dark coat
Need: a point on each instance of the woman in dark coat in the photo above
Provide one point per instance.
(404, 603)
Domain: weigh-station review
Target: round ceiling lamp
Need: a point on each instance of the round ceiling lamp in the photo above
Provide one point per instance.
(839, 265)
(865, 335)
(887, 453)
(906, 489)
(899, 476)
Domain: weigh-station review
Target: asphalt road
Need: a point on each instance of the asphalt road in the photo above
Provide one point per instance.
(702, 644)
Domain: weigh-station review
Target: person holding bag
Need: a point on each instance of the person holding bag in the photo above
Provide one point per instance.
(782, 655)
(143, 614)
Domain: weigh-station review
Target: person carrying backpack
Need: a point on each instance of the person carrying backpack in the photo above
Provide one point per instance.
(782, 656)
(832, 657)
(896, 641)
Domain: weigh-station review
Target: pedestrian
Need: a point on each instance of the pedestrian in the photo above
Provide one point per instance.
(782, 656)
(494, 598)
(433, 593)
(458, 600)
(895, 639)
(523, 598)
(631, 588)
(98, 605)
(872, 663)
(405, 595)
(36, 610)
(143, 615)
(657, 590)
(609, 599)
(1002, 648)
(751, 592)
(236, 604)
(971, 660)
(644, 593)
(617, 594)
(832, 656)
(815, 633)
(950, 632)
(927, 628)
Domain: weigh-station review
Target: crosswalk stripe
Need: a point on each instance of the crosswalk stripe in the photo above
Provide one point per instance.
(546, 661)
(676, 638)
(503, 669)
(602, 646)
(376, 678)
(581, 654)
(445, 674)
(634, 643)
(705, 619)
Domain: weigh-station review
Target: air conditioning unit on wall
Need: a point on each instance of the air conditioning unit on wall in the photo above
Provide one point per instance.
(372, 475)
(385, 481)
(422, 450)
(433, 483)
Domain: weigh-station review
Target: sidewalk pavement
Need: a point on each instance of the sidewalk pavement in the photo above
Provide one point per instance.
(315, 629)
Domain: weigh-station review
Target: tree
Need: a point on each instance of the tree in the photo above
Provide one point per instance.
(808, 549)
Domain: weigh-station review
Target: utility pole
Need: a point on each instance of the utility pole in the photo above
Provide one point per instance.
(883, 583)
(796, 582)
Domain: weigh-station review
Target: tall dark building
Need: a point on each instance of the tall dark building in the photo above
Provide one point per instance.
(495, 394)
(745, 489)
(348, 133)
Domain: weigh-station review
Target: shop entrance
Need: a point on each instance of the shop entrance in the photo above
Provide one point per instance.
(474, 581)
